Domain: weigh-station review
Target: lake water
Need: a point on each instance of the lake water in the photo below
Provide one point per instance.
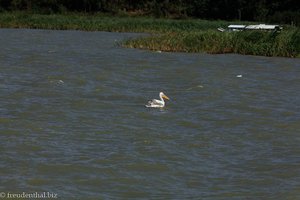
(73, 121)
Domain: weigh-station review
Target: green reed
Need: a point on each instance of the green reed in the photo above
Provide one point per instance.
(101, 22)
(188, 35)
(285, 44)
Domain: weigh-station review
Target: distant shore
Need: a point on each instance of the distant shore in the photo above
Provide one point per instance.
(185, 35)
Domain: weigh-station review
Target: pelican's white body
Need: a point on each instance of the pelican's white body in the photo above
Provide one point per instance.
(155, 103)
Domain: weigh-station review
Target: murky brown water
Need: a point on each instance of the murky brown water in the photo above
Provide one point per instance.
(73, 121)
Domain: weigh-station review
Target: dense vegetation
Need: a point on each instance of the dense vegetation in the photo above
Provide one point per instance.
(275, 11)
(187, 35)
(286, 44)
(102, 22)
(176, 25)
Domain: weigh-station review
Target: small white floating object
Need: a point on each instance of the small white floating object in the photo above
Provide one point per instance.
(198, 86)
(158, 51)
(239, 76)
(56, 81)
(60, 82)
(154, 103)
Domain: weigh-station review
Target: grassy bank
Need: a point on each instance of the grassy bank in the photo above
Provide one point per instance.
(189, 35)
(284, 44)
(101, 22)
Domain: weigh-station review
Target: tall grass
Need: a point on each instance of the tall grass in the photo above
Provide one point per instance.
(189, 35)
(284, 44)
(103, 22)
(200, 41)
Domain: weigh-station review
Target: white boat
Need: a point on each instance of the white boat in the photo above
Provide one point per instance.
(263, 27)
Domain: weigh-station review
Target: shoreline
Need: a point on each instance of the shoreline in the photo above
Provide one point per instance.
(184, 35)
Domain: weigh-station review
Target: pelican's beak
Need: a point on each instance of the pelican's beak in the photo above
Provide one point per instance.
(165, 97)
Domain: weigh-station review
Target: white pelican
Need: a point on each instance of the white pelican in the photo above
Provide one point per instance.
(154, 103)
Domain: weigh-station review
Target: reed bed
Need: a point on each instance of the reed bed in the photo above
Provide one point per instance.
(284, 44)
(101, 22)
(188, 35)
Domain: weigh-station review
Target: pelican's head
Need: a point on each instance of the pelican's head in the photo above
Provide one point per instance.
(162, 95)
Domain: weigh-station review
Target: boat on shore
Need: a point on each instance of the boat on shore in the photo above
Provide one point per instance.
(259, 27)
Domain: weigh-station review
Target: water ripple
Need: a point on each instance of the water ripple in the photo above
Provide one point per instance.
(73, 120)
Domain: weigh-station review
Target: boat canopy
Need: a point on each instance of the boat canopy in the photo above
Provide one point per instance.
(263, 27)
(236, 26)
